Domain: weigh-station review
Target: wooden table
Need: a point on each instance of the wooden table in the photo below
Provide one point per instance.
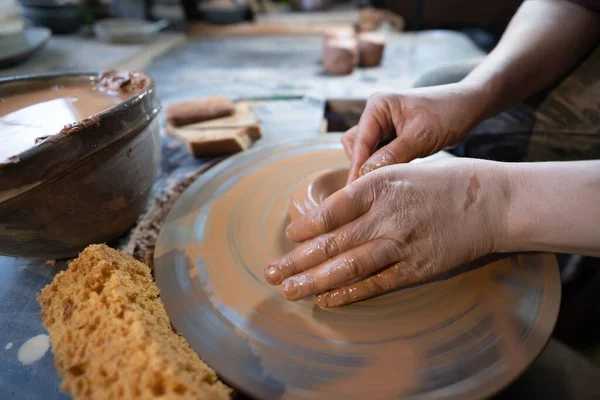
(240, 68)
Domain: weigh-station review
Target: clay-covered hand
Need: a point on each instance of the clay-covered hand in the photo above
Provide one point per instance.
(416, 123)
(396, 226)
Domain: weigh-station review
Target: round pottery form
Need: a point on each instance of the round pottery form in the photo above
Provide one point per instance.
(87, 187)
(313, 190)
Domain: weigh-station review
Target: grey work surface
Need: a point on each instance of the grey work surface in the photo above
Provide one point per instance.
(559, 373)
(243, 68)
(79, 53)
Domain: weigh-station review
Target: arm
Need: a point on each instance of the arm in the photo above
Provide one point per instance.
(554, 207)
(544, 40)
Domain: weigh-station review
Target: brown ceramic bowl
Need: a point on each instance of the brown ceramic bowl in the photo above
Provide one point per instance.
(87, 186)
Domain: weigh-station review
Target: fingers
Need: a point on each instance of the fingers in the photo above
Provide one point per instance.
(374, 124)
(348, 141)
(397, 151)
(358, 262)
(394, 277)
(323, 248)
(338, 209)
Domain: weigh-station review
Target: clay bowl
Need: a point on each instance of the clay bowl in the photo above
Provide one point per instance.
(315, 188)
(88, 186)
(311, 192)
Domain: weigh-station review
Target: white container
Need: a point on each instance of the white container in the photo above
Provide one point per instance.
(124, 30)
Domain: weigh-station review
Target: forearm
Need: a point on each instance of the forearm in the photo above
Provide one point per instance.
(543, 42)
(554, 206)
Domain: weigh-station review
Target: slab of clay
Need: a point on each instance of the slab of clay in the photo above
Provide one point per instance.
(216, 142)
(240, 118)
(464, 337)
(199, 110)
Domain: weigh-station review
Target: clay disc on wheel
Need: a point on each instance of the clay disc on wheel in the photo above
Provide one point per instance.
(461, 338)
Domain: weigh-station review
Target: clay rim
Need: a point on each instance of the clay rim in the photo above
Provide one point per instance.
(53, 155)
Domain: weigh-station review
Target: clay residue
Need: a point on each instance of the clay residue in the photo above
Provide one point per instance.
(472, 191)
(33, 349)
(10, 161)
(122, 81)
(78, 126)
(113, 83)
(45, 114)
(383, 159)
(41, 139)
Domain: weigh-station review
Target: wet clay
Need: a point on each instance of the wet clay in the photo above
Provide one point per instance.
(29, 118)
(311, 192)
(465, 337)
(340, 55)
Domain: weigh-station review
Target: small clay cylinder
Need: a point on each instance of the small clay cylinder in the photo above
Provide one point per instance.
(370, 47)
(314, 189)
(199, 110)
(340, 56)
(341, 32)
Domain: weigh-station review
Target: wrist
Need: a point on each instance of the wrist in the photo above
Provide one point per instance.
(496, 182)
(518, 217)
(468, 107)
(480, 99)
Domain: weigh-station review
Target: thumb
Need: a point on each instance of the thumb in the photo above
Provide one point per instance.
(396, 152)
(375, 123)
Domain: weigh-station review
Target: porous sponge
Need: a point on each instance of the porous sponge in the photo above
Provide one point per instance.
(111, 336)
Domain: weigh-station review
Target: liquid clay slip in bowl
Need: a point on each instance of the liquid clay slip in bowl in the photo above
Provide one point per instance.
(79, 154)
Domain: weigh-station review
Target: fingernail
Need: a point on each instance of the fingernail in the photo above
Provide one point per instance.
(330, 300)
(288, 231)
(321, 300)
(273, 275)
(294, 229)
(290, 289)
(365, 169)
(376, 162)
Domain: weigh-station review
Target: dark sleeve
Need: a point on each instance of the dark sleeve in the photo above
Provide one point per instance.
(592, 5)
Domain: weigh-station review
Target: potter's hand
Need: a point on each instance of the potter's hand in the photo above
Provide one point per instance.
(424, 121)
(396, 226)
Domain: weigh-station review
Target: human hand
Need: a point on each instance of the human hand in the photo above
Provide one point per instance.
(417, 123)
(396, 226)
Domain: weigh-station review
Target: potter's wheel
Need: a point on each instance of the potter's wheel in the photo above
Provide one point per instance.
(462, 338)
